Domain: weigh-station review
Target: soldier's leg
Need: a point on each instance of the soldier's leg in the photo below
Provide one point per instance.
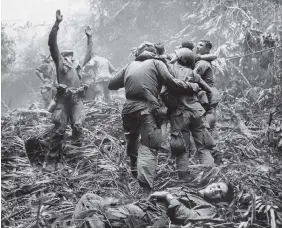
(77, 118)
(180, 140)
(60, 120)
(98, 90)
(203, 140)
(151, 140)
(211, 119)
(90, 93)
(107, 93)
(93, 204)
(132, 135)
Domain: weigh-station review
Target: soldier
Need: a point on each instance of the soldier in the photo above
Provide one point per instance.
(100, 70)
(69, 106)
(142, 115)
(92, 211)
(46, 74)
(204, 69)
(186, 114)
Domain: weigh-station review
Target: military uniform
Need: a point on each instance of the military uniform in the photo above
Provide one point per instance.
(69, 106)
(187, 115)
(100, 70)
(48, 89)
(92, 211)
(204, 69)
(143, 81)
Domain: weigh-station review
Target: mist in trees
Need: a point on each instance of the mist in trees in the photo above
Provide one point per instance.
(120, 25)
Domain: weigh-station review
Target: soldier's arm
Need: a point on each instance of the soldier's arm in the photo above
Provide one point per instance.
(201, 68)
(207, 57)
(39, 75)
(89, 50)
(53, 45)
(111, 68)
(117, 81)
(174, 84)
(180, 214)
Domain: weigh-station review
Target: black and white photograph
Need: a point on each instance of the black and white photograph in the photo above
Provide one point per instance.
(141, 113)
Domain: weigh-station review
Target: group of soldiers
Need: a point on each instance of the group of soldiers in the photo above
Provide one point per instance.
(159, 87)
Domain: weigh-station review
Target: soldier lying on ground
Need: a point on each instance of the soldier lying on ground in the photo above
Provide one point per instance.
(68, 101)
(92, 211)
(141, 115)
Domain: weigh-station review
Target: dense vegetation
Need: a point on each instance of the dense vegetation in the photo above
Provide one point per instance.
(250, 114)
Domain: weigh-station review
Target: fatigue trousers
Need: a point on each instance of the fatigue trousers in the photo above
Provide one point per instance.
(102, 88)
(144, 149)
(69, 109)
(183, 122)
(92, 211)
(47, 95)
(211, 120)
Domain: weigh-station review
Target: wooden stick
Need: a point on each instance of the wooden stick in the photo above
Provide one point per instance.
(237, 57)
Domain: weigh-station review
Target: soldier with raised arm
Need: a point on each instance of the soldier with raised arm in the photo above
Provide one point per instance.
(69, 106)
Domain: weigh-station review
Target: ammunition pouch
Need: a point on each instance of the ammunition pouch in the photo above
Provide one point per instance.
(170, 101)
(177, 144)
(61, 90)
(215, 97)
(203, 98)
(160, 115)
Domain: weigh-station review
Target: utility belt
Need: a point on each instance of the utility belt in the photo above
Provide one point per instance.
(64, 91)
(67, 94)
(159, 112)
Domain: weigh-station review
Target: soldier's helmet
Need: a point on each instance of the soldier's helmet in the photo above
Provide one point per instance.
(186, 56)
(45, 58)
(145, 46)
(67, 52)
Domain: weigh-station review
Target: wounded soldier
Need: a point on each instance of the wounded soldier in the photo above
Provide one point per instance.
(93, 211)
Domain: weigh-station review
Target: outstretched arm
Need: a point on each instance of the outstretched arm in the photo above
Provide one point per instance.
(174, 84)
(89, 50)
(117, 81)
(207, 57)
(53, 45)
(111, 68)
(39, 75)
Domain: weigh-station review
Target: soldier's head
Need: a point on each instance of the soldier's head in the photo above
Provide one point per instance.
(145, 46)
(45, 58)
(184, 57)
(218, 192)
(187, 44)
(68, 54)
(160, 48)
(203, 47)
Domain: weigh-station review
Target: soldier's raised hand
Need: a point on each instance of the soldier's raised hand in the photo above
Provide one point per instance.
(59, 16)
(88, 31)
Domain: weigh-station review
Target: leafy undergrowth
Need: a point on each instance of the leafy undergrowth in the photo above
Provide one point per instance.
(36, 193)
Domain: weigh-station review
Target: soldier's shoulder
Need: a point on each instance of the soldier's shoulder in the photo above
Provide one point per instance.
(203, 63)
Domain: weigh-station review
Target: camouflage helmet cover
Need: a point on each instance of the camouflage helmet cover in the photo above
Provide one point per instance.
(145, 46)
(186, 56)
(67, 52)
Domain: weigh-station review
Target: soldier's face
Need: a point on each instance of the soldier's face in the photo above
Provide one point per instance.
(201, 48)
(216, 191)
